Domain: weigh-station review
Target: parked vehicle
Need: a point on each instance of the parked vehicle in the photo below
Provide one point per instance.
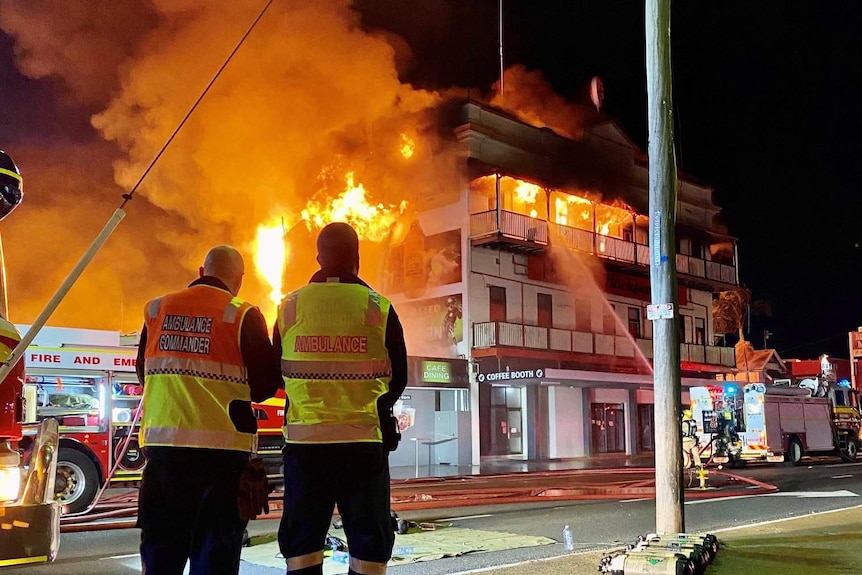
(86, 380)
(776, 422)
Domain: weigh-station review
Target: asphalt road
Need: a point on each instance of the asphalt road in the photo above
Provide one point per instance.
(817, 485)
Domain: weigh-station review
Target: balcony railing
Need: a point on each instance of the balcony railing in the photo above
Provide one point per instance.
(521, 227)
(495, 334)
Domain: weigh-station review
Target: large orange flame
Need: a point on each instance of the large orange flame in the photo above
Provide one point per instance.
(270, 254)
(371, 221)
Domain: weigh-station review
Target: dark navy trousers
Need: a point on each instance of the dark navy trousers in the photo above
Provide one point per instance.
(187, 511)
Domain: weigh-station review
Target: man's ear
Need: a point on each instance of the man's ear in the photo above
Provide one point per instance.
(201, 272)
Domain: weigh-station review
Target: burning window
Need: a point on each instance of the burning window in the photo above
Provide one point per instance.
(516, 196)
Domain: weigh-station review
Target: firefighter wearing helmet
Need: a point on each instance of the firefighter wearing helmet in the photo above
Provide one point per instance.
(11, 389)
(690, 455)
(11, 185)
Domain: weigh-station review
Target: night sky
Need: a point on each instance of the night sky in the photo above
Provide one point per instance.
(766, 96)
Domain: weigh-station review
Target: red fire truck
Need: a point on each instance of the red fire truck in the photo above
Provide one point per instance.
(86, 380)
(776, 422)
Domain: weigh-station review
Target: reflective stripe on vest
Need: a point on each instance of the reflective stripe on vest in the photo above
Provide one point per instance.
(334, 362)
(194, 370)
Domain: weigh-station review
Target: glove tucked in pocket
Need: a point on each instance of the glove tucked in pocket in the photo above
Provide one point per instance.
(253, 498)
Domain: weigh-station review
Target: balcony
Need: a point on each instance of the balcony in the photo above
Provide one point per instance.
(505, 334)
(504, 229)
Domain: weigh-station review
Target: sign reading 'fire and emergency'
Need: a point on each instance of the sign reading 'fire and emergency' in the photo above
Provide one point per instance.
(108, 360)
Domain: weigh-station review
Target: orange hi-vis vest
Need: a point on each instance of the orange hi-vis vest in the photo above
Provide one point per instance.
(11, 389)
(194, 370)
(334, 362)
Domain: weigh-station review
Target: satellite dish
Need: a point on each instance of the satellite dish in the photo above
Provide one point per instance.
(597, 92)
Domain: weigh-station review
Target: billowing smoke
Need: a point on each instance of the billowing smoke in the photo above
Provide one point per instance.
(307, 91)
(532, 99)
(310, 96)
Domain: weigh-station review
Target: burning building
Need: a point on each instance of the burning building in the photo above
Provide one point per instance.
(513, 243)
(522, 280)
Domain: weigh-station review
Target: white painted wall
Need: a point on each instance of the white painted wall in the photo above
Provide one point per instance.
(565, 422)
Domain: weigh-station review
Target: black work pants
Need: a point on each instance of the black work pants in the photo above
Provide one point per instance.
(354, 476)
(187, 511)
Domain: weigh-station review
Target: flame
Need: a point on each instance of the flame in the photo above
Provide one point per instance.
(583, 214)
(408, 146)
(527, 192)
(270, 254)
(371, 222)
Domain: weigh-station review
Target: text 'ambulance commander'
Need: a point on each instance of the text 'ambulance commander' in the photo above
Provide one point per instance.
(204, 356)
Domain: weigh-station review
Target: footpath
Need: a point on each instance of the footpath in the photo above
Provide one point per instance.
(827, 543)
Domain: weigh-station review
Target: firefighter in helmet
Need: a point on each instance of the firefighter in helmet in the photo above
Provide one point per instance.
(11, 394)
(11, 185)
(690, 455)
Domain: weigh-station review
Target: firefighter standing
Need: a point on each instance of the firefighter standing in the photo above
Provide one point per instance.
(344, 364)
(11, 389)
(204, 356)
(691, 457)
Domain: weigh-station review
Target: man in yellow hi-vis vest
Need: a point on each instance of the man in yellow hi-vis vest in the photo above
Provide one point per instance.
(204, 356)
(344, 364)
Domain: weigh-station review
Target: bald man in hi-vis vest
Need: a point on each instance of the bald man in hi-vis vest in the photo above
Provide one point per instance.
(204, 356)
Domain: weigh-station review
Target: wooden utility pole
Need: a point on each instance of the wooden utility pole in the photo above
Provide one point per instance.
(663, 284)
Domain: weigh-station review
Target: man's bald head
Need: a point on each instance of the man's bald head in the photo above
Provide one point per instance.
(224, 263)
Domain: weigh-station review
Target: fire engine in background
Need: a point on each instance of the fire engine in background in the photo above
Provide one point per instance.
(86, 380)
(777, 422)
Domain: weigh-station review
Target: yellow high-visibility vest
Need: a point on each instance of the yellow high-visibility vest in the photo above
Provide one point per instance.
(334, 362)
(194, 370)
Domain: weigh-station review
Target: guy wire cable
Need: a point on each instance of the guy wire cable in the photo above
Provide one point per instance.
(127, 197)
(114, 221)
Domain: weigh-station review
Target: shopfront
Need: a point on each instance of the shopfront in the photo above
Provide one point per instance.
(434, 416)
(548, 413)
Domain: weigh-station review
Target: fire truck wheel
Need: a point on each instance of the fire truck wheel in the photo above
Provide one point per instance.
(793, 455)
(77, 480)
(850, 450)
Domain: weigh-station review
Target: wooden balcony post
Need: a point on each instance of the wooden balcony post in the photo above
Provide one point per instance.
(497, 190)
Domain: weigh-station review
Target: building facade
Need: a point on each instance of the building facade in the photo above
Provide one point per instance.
(535, 271)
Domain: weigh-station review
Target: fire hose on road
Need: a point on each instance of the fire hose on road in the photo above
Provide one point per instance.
(119, 511)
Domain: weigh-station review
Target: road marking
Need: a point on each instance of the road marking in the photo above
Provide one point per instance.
(842, 476)
(129, 556)
(636, 500)
(463, 517)
(812, 494)
(717, 499)
(770, 522)
(519, 563)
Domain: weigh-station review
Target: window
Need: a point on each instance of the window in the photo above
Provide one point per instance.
(545, 310)
(685, 329)
(583, 321)
(697, 248)
(683, 246)
(635, 322)
(699, 331)
(609, 323)
(497, 296)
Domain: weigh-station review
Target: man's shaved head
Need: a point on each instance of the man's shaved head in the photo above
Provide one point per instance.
(224, 263)
(338, 248)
